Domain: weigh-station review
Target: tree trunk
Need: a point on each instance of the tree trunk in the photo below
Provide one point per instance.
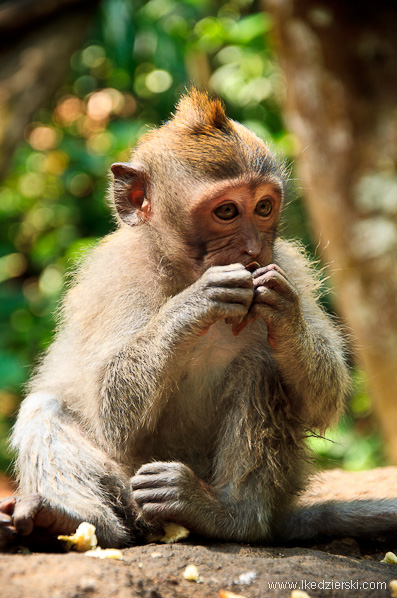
(340, 64)
(37, 39)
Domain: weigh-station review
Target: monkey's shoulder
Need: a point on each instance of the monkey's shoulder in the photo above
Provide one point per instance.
(116, 275)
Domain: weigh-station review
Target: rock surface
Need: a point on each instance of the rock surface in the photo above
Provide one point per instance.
(156, 570)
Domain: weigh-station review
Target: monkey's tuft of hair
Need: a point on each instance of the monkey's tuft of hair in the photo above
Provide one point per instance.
(199, 114)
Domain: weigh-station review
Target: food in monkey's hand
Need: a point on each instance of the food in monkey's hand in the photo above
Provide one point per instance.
(237, 324)
(252, 266)
(83, 539)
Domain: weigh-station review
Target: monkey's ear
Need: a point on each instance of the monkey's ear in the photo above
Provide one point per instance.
(130, 192)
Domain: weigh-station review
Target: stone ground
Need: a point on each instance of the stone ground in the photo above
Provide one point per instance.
(156, 570)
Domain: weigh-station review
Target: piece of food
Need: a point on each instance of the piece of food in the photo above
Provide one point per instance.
(390, 558)
(252, 266)
(227, 594)
(191, 574)
(174, 533)
(237, 324)
(83, 539)
(105, 553)
(299, 594)
(247, 578)
(393, 588)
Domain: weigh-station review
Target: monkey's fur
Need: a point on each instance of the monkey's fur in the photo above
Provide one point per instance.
(146, 408)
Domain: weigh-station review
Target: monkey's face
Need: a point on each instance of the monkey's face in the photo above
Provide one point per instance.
(233, 222)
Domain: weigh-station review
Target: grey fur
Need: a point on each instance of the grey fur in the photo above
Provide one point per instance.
(137, 408)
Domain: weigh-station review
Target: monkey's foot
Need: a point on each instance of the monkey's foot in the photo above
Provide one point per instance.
(29, 521)
(8, 533)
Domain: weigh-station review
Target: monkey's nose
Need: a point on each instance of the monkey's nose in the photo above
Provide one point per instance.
(253, 249)
(253, 252)
(251, 241)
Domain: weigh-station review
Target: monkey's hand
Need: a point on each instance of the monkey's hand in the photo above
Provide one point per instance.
(277, 301)
(170, 491)
(22, 516)
(221, 292)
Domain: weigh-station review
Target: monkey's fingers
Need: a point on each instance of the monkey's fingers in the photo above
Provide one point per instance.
(275, 279)
(237, 295)
(158, 495)
(236, 329)
(5, 520)
(270, 267)
(161, 505)
(267, 304)
(7, 505)
(32, 512)
(140, 482)
(234, 275)
(155, 513)
(237, 323)
(8, 535)
(160, 467)
(268, 272)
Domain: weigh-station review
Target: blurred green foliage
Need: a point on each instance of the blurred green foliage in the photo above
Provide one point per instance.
(355, 443)
(137, 61)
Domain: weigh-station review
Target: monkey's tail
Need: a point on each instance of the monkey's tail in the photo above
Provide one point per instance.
(338, 518)
(69, 472)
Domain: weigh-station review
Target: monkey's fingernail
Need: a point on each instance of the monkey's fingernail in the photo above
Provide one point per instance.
(239, 327)
(5, 519)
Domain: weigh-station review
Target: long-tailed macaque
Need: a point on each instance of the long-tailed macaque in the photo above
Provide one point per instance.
(181, 385)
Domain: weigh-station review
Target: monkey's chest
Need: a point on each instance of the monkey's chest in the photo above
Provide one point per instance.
(215, 351)
(189, 423)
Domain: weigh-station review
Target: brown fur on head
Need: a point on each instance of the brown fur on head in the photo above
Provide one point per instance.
(198, 142)
(199, 114)
(208, 143)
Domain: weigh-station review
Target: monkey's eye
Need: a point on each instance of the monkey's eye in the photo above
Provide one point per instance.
(226, 211)
(264, 207)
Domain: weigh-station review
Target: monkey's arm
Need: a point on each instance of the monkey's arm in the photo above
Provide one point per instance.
(139, 380)
(306, 346)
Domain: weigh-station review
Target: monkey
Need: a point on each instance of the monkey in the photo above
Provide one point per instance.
(181, 385)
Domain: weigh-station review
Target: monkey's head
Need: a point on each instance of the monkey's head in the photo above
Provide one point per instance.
(209, 188)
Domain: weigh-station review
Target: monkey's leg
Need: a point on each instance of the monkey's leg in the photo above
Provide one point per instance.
(249, 482)
(338, 518)
(63, 478)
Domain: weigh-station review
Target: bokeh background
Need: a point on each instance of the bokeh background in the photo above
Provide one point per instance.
(109, 71)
